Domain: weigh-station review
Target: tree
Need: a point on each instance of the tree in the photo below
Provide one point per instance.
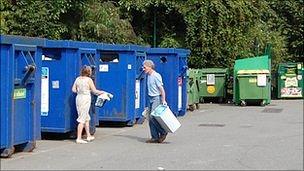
(33, 18)
(291, 12)
(217, 31)
(101, 22)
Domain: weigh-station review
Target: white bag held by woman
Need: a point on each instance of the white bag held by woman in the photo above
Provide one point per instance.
(101, 99)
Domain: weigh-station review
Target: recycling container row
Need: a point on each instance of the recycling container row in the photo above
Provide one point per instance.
(37, 76)
(20, 72)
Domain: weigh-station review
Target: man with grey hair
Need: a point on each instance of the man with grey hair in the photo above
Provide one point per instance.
(157, 96)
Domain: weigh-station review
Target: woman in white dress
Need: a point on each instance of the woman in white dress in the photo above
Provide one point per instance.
(83, 86)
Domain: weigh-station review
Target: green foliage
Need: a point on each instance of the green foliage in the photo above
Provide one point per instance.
(88, 20)
(169, 42)
(143, 5)
(101, 22)
(291, 12)
(3, 15)
(220, 31)
(169, 21)
(34, 18)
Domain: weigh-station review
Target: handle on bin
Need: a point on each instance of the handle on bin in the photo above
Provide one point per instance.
(140, 76)
(93, 72)
(29, 69)
(185, 67)
(91, 62)
(91, 59)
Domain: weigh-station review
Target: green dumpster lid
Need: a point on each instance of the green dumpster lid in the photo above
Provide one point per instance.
(262, 71)
(214, 70)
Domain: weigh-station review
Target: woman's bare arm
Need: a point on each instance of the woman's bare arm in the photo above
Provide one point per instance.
(93, 88)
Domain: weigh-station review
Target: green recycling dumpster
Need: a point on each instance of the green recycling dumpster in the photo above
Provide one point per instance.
(192, 89)
(252, 68)
(213, 83)
(290, 80)
(254, 86)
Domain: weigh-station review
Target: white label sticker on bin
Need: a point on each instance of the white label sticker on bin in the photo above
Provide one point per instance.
(129, 66)
(262, 80)
(55, 84)
(137, 94)
(104, 68)
(299, 66)
(291, 82)
(210, 79)
(44, 91)
(180, 102)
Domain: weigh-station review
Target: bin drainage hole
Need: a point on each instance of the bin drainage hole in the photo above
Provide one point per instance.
(212, 125)
(272, 110)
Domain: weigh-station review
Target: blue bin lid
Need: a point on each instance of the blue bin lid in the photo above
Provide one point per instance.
(57, 44)
(120, 47)
(113, 47)
(69, 44)
(185, 51)
(178, 51)
(81, 44)
(138, 48)
(13, 39)
(161, 51)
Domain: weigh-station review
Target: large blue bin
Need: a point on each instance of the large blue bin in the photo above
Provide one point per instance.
(59, 70)
(120, 73)
(20, 93)
(61, 64)
(172, 65)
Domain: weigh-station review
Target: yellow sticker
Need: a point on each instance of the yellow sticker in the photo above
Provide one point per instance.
(19, 93)
(252, 80)
(210, 89)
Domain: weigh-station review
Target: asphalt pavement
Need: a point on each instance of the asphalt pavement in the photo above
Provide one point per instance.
(214, 137)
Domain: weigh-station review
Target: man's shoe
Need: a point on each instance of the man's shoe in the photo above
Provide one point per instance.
(152, 141)
(162, 138)
(91, 138)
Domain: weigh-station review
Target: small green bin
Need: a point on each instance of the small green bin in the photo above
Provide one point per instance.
(213, 83)
(254, 86)
(290, 80)
(192, 89)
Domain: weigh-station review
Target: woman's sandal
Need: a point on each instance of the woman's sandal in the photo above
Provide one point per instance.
(81, 141)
